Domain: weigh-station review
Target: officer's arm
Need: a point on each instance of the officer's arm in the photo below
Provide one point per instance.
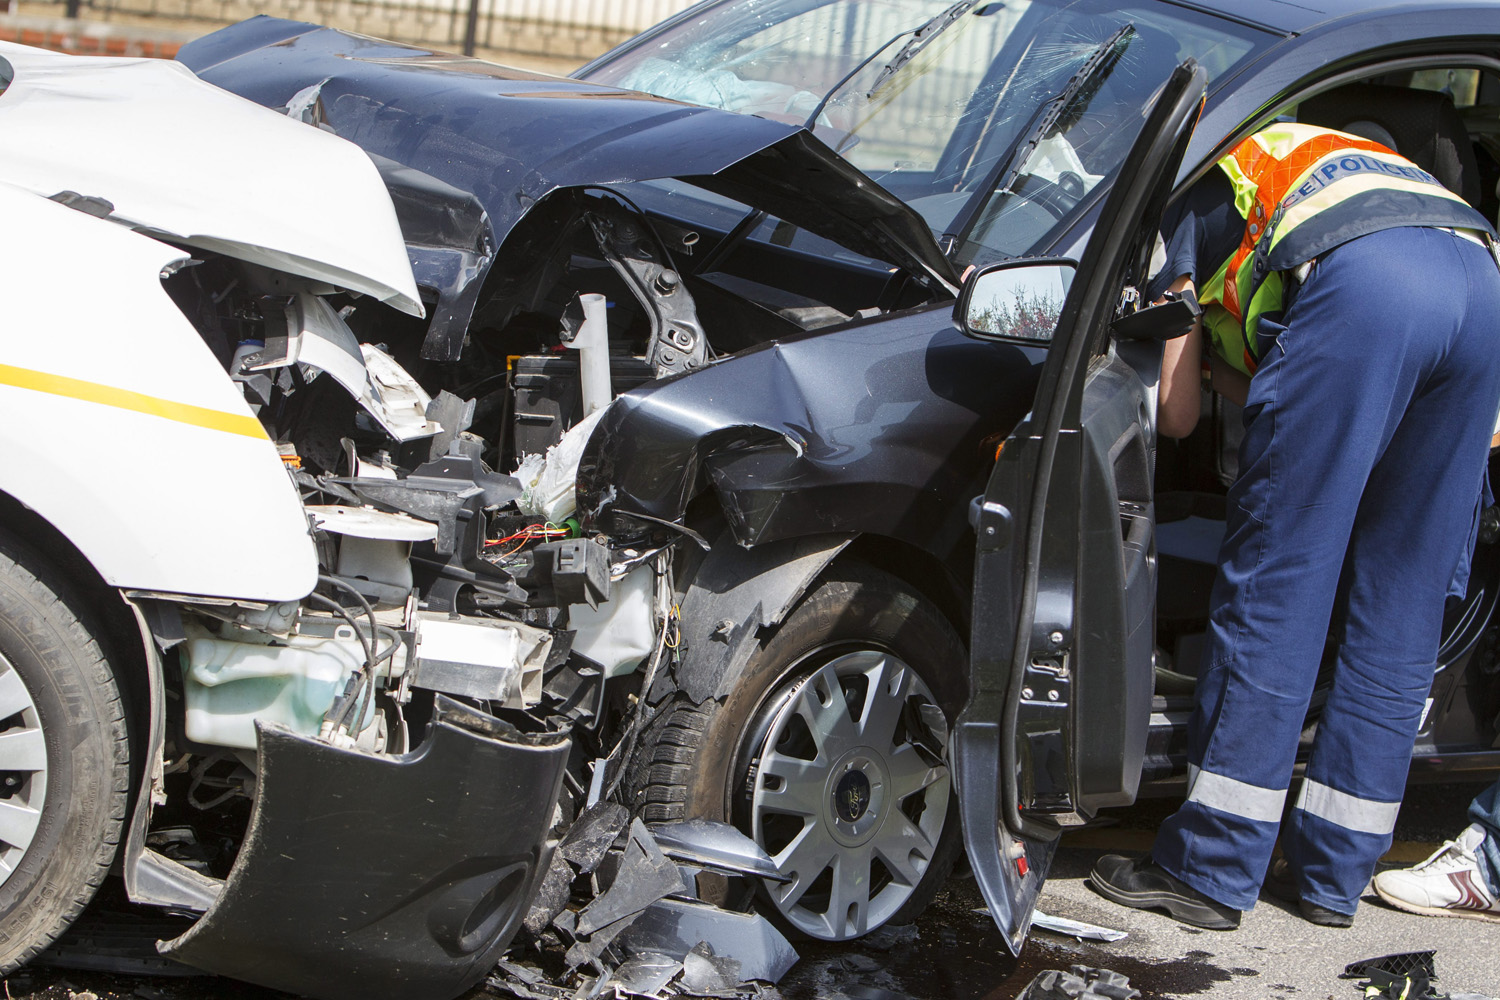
(1177, 398)
(1228, 382)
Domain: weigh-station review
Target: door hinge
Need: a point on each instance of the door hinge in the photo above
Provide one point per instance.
(992, 523)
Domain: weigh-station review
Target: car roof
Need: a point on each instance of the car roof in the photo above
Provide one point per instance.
(1287, 16)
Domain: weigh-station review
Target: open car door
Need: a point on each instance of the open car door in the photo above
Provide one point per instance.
(1065, 574)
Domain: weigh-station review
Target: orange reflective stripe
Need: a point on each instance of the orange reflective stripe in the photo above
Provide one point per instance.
(1273, 179)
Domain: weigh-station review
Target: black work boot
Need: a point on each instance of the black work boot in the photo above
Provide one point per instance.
(1281, 884)
(1145, 885)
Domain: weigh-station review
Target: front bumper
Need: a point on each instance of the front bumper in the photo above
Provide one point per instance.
(391, 876)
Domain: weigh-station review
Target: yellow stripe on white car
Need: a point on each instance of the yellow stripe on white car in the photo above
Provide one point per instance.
(108, 395)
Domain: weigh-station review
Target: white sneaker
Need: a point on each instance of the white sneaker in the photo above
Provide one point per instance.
(1448, 884)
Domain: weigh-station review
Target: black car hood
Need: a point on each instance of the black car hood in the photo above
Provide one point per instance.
(468, 147)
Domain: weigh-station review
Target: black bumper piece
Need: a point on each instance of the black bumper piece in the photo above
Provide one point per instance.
(385, 876)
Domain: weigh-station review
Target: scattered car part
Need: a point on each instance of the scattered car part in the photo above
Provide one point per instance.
(1079, 981)
(716, 847)
(305, 911)
(675, 927)
(642, 876)
(1074, 928)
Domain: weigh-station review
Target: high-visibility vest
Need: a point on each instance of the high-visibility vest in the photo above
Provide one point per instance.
(1303, 190)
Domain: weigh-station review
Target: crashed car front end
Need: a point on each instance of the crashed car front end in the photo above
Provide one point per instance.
(322, 773)
(388, 693)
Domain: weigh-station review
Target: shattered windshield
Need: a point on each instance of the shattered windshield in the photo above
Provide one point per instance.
(933, 99)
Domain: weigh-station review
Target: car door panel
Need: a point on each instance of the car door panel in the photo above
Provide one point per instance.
(1064, 585)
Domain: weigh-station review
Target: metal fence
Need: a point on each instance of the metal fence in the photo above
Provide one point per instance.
(578, 29)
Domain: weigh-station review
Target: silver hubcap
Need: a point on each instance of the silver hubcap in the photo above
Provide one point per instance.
(23, 769)
(850, 792)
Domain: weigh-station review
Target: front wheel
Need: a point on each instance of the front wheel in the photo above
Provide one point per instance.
(831, 751)
(64, 758)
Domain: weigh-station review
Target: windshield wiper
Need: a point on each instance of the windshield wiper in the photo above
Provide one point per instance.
(1099, 64)
(919, 38)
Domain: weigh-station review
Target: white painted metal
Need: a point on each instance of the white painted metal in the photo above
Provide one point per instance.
(181, 157)
(155, 502)
(367, 522)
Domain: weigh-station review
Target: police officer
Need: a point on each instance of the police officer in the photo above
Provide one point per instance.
(1352, 304)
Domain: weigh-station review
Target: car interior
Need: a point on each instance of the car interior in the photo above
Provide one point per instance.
(1446, 119)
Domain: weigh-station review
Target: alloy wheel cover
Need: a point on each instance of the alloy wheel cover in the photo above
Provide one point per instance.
(856, 753)
(23, 769)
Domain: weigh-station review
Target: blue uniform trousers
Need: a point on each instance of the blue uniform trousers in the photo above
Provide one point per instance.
(1366, 435)
(1484, 812)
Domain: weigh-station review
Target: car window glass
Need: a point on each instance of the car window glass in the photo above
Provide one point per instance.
(7, 74)
(929, 97)
(1462, 85)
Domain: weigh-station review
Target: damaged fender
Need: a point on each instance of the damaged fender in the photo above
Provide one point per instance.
(827, 432)
(370, 876)
(735, 594)
(136, 426)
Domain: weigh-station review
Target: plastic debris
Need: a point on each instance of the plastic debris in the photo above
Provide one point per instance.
(646, 975)
(673, 927)
(551, 491)
(1404, 976)
(1079, 981)
(716, 847)
(643, 877)
(1075, 928)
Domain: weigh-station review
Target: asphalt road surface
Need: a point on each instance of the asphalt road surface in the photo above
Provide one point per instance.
(955, 953)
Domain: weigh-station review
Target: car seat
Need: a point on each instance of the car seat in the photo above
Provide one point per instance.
(1425, 125)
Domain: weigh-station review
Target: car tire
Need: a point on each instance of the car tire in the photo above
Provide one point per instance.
(863, 639)
(64, 756)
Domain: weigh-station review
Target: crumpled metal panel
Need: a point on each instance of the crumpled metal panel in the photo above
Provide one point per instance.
(384, 876)
(511, 137)
(757, 950)
(884, 427)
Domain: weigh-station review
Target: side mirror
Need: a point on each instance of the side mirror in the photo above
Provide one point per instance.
(1015, 300)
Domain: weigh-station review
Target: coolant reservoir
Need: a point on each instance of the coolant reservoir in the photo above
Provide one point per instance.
(620, 633)
(228, 685)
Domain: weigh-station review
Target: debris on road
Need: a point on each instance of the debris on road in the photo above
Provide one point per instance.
(1407, 975)
(616, 916)
(1079, 981)
(1076, 928)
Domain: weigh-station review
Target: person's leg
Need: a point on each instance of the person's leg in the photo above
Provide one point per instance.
(1316, 422)
(1460, 878)
(1412, 527)
(1484, 812)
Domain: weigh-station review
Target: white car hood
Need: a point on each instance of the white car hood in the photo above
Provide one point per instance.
(182, 159)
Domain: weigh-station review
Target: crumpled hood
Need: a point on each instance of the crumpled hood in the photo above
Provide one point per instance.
(184, 160)
(509, 137)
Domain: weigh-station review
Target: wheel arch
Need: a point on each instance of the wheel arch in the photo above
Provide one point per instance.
(114, 625)
(112, 620)
(919, 569)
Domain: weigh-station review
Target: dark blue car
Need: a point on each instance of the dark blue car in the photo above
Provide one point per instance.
(882, 428)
